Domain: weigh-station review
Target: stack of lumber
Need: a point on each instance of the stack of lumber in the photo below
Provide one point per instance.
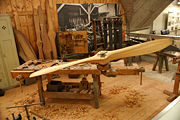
(45, 31)
(45, 35)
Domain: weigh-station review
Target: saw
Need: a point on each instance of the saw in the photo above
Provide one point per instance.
(104, 57)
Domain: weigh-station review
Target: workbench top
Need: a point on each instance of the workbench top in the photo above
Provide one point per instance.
(34, 65)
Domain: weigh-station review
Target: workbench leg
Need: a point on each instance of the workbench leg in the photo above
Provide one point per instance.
(155, 63)
(48, 78)
(99, 84)
(160, 63)
(176, 84)
(166, 63)
(96, 90)
(40, 89)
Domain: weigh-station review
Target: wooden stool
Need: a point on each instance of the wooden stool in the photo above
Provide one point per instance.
(162, 56)
(160, 59)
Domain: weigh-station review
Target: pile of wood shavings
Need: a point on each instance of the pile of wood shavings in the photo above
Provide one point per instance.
(62, 111)
(107, 116)
(29, 99)
(118, 90)
(134, 98)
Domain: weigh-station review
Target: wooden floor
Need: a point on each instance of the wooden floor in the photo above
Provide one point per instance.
(122, 99)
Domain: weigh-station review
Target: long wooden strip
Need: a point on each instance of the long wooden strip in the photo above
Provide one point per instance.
(51, 28)
(44, 36)
(38, 35)
(103, 57)
(153, 36)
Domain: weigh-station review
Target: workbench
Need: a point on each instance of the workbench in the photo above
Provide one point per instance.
(23, 72)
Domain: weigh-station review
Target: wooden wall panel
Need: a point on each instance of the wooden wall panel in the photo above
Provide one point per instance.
(20, 5)
(29, 5)
(32, 34)
(35, 3)
(21, 12)
(43, 4)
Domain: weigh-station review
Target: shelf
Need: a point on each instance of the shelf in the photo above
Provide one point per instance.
(68, 95)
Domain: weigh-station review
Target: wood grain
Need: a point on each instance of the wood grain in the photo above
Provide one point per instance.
(25, 45)
(38, 35)
(107, 56)
(44, 36)
(51, 28)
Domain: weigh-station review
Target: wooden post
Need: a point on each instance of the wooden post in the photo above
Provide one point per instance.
(110, 34)
(160, 63)
(40, 89)
(105, 33)
(166, 63)
(48, 78)
(141, 78)
(101, 33)
(94, 34)
(176, 84)
(155, 63)
(96, 90)
(120, 33)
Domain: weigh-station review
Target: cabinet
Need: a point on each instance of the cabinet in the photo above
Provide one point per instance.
(8, 52)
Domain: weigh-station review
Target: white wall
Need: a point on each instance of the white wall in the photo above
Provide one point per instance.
(161, 21)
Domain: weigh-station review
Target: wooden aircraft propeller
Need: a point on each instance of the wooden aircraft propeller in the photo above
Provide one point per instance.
(104, 57)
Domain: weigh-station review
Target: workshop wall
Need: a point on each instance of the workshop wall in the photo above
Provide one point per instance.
(21, 13)
(160, 23)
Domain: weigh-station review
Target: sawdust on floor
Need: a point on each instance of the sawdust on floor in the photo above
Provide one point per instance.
(122, 98)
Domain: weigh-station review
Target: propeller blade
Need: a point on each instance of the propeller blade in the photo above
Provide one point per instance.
(103, 57)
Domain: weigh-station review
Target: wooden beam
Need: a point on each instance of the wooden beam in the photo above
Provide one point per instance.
(67, 95)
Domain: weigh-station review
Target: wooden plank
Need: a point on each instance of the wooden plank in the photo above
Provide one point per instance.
(20, 5)
(26, 46)
(153, 36)
(51, 28)
(30, 24)
(25, 74)
(44, 36)
(21, 52)
(32, 34)
(87, 71)
(43, 6)
(24, 26)
(125, 72)
(67, 95)
(36, 3)
(28, 5)
(55, 16)
(38, 37)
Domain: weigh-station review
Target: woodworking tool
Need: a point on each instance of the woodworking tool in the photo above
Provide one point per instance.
(25, 107)
(38, 116)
